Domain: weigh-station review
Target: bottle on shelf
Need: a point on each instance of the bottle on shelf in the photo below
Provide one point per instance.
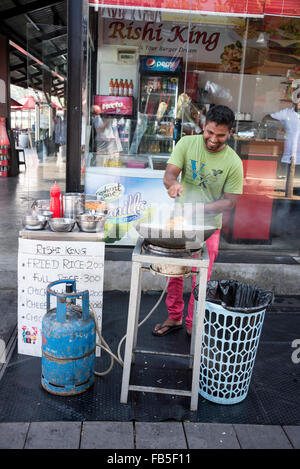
(55, 201)
(116, 88)
(111, 87)
(121, 88)
(126, 87)
(130, 88)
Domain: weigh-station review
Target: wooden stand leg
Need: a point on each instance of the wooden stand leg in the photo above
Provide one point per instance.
(133, 313)
(198, 337)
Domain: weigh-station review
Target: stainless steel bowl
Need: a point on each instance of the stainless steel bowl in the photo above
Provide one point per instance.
(91, 223)
(34, 222)
(61, 224)
(45, 213)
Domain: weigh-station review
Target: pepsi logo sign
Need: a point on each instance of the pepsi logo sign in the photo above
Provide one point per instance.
(159, 63)
(171, 64)
(150, 63)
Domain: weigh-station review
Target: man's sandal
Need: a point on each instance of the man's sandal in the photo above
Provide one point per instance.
(168, 330)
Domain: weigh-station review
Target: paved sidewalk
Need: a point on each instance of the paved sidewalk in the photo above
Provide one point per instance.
(17, 194)
(145, 435)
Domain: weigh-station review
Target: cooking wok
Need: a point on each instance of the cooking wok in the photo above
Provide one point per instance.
(190, 236)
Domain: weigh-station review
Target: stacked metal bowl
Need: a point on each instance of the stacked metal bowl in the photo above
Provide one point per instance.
(34, 221)
(62, 224)
(91, 223)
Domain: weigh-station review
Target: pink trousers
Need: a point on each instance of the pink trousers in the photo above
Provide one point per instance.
(174, 300)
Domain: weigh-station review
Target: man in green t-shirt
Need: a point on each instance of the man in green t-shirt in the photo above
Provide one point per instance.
(211, 173)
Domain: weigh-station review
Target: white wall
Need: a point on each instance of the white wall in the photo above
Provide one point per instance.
(109, 67)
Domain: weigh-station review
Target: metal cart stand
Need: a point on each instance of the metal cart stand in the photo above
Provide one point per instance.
(139, 259)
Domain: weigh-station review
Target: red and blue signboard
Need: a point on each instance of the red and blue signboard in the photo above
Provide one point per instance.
(161, 64)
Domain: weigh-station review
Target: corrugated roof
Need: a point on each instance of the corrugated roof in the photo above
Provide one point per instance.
(40, 28)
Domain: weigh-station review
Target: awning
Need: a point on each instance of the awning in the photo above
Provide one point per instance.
(250, 8)
(28, 102)
(14, 104)
(57, 106)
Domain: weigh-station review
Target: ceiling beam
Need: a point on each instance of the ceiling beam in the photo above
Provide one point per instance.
(57, 19)
(49, 36)
(28, 8)
(56, 54)
(20, 66)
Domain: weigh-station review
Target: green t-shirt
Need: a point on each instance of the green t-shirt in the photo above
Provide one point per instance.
(205, 175)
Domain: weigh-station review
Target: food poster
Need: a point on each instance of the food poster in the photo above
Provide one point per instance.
(129, 200)
(283, 40)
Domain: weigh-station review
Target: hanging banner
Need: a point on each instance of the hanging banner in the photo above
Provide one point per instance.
(231, 8)
(282, 7)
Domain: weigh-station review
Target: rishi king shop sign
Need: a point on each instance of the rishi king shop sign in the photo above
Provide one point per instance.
(168, 39)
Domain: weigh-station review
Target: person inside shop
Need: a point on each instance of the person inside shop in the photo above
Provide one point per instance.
(211, 173)
(105, 140)
(290, 119)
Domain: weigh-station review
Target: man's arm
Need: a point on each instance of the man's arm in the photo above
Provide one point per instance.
(223, 205)
(267, 118)
(173, 187)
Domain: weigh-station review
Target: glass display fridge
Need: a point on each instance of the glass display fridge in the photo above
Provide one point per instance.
(159, 79)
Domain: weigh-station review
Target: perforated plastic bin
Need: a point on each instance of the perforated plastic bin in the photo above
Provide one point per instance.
(234, 315)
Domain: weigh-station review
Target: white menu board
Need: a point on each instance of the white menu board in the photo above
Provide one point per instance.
(41, 262)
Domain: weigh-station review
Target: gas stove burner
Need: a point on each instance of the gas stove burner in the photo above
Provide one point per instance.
(170, 269)
(181, 252)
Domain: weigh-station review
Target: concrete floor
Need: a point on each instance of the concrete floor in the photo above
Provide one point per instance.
(16, 196)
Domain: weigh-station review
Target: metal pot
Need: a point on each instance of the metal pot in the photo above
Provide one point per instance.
(73, 204)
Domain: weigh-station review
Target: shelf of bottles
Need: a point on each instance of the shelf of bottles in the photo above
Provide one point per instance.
(158, 99)
(121, 87)
(4, 150)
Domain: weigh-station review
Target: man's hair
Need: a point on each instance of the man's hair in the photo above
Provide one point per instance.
(221, 115)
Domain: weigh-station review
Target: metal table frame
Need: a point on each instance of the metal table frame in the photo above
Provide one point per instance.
(138, 260)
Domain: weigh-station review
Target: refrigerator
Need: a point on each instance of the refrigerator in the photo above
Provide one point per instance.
(159, 81)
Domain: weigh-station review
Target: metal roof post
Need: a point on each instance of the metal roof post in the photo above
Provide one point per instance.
(74, 94)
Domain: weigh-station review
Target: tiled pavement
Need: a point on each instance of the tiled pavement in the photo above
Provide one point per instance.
(145, 435)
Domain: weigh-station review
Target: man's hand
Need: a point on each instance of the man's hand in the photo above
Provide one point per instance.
(173, 187)
(175, 190)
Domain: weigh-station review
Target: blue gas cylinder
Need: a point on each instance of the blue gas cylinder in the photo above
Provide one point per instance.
(68, 342)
